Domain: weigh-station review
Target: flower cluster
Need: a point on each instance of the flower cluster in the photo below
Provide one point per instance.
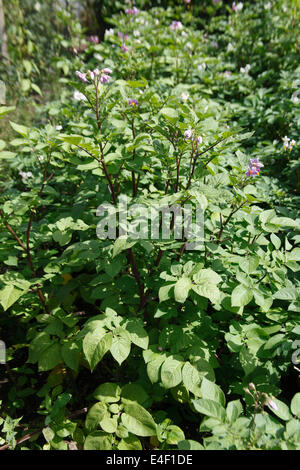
(109, 32)
(104, 75)
(93, 39)
(123, 36)
(188, 136)
(245, 69)
(25, 175)
(288, 143)
(254, 167)
(237, 6)
(176, 25)
(132, 11)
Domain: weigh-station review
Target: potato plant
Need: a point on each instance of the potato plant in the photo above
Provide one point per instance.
(119, 335)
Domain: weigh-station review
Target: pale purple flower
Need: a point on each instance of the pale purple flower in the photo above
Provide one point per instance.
(254, 167)
(107, 71)
(176, 25)
(132, 11)
(94, 39)
(82, 76)
(159, 348)
(125, 48)
(199, 139)
(272, 404)
(237, 6)
(104, 78)
(132, 102)
(188, 134)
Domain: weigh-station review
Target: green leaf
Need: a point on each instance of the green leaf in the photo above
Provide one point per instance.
(109, 424)
(280, 409)
(212, 391)
(234, 410)
(130, 443)
(206, 281)
(98, 440)
(9, 295)
(50, 357)
(7, 155)
(241, 296)
(189, 444)
(95, 345)
(134, 392)
(120, 348)
(191, 378)
(122, 244)
(108, 392)
(171, 372)
(23, 130)
(137, 332)
(137, 420)
(182, 288)
(295, 405)
(210, 408)
(95, 415)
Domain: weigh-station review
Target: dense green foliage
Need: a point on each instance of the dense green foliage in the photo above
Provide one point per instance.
(141, 343)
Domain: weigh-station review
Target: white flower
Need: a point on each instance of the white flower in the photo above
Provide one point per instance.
(25, 175)
(58, 128)
(98, 57)
(268, 6)
(294, 98)
(245, 69)
(230, 47)
(79, 96)
(156, 21)
(109, 32)
(40, 157)
(136, 33)
(183, 33)
(202, 67)
(184, 96)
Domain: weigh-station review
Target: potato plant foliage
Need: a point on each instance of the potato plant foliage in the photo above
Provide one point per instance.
(132, 343)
